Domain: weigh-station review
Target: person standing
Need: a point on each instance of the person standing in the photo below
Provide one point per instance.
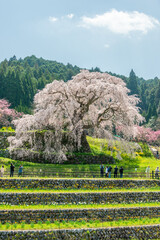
(12, 170)
(157, 173)
(115, 172)
(148, 172)
(157, 154)
(2, 171)
(102, 170)
(20, 171)
(121, 172)
(109, 171)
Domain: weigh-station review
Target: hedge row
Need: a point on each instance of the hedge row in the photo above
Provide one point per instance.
(138, 232)
(104, 214)
(76, 183)
(78, 198)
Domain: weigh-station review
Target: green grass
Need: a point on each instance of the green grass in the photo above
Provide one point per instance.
(7, 129)
(79, 178)
(79, 224)
(98, 147)
(77, 206)
(56, 167)
(31, 167)
(140, 161)
(101, 190)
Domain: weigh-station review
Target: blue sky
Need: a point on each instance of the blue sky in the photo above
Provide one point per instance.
(115, 35)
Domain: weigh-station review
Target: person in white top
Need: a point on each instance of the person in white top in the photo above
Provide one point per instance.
(107, 171)
(2, 171)
(148, 172)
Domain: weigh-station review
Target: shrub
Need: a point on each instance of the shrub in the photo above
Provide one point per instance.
(4, 153)
(146, 150)
(7, 129)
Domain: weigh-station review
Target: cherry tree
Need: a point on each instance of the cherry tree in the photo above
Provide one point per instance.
(7, 114)
(90, 101)
(147, 135)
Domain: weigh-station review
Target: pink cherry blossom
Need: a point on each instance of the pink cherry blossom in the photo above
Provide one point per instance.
(147, 135)
(7, 114)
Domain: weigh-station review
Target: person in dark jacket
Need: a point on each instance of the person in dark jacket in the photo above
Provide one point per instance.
(115, 172)
(109, 171)
(12, 170)
(102, 170)
(121, 172)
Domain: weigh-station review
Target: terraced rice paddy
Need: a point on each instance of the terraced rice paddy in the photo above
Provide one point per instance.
(92, 209)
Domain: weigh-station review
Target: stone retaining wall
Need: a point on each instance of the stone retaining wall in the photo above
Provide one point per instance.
(90, 159)
(76, 183)
(77, 198)
(103, 214)
(138, 232)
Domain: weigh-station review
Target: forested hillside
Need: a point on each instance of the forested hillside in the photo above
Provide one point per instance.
(147, 90)
(21, 79)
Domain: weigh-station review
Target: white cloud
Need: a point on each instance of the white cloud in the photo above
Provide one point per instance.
(70, 16)
(53, 19)
(122, 22)
(106, 45)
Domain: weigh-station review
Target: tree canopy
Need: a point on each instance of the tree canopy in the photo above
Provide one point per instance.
(91, 100)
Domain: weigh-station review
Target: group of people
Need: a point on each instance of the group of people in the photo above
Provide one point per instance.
(157, 172)
(108, 171)
(12, 167)
(20, 170)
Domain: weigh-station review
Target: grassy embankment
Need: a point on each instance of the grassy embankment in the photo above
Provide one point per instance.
(140, 160)
(79, 224)
(79, 206)
(101, 190)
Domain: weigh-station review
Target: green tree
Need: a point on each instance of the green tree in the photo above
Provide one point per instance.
(149, 113)
(132, 83)
(157, 94)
